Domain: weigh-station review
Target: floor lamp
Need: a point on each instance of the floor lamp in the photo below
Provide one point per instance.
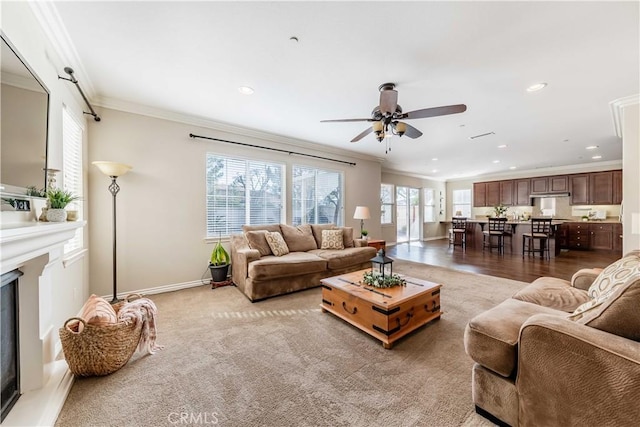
(113, 170)
(361, 213)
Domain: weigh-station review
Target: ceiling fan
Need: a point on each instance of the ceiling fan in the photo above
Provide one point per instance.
(387, 116)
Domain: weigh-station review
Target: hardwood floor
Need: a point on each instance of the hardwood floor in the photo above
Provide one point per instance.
(437, 252)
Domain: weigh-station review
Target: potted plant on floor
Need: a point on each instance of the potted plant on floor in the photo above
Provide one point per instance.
(219, 264)
(58, 200)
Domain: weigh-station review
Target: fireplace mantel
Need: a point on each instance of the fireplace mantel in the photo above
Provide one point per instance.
(37, 249)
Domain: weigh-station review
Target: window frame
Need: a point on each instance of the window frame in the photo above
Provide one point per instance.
(339, 220)
(387, 206)
(73, 173)
(429, 207)
(466, 212)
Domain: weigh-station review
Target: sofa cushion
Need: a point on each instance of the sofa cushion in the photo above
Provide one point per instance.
(317, 232)
(332, 239)
(344, 258)
(491, 337)
(615, 311)
(553, 293)
(265, 227)
(299, 239)
(276, 243)
(258, 240)
(292, 264)
(347, 237)
(615, 275)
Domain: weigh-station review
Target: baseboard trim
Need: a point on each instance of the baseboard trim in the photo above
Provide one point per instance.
(162, 289)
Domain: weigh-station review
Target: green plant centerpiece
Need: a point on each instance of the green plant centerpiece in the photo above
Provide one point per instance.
(219, 263)
(376, 280)
(500, 210)
(58, 200)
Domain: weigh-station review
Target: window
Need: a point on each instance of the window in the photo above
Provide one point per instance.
(241, 191)
(386, 203)
(462, 203)
(72, 171)
(429, 205)
(317, 196)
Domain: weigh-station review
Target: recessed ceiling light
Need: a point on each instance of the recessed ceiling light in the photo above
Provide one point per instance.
(536, 87)
(596, 157)
(435, 171)
(496, 161)
(245, 90)
(591, 147)
(512, 167)
(435, 159)
(502, 146)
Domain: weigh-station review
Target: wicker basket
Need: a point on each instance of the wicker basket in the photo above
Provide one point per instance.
(99, 349)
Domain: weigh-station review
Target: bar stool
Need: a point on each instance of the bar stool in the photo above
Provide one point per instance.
(495, 229)
(458, 232)
(540, 231)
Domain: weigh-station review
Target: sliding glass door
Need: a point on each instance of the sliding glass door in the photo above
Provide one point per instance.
(407, 214)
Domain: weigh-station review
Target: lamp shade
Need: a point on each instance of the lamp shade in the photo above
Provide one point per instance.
(362, 212)
(113, 168)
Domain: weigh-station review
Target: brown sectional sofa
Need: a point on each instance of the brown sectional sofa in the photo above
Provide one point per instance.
(562, 353)
(259, 274)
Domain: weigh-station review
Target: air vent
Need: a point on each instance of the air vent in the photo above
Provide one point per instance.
(482, 135)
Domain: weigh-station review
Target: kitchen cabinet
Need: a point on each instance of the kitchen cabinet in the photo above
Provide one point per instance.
(617, 187)
(493, 193)
(578, 237)
(506, 193)
(617, 238)
(539, 185)
(601, 188)
(579, 189)
(479, 194)
(550, 184)
(601, 236)
(522, 190)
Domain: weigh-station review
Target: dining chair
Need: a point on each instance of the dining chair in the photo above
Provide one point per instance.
(458, 232)
(495, 229)
(540, 232)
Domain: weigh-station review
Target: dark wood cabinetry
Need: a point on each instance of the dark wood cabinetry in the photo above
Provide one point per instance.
(558, 184)
(590, 235)
(601, 188)
(617, 237)
(522, 190)
(579, 188)
(617, 187)
(578, 237)
(506, 193)
(539, 185)
(493, 193)
(601, 236)
(479, 194)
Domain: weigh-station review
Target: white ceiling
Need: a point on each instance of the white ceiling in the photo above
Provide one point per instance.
(190, 58)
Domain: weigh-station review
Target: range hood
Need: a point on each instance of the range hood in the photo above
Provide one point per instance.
(564, 194)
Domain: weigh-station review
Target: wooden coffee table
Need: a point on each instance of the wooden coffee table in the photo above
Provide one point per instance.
(387, 314)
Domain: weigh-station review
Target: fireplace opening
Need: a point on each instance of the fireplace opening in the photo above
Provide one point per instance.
(9, 342)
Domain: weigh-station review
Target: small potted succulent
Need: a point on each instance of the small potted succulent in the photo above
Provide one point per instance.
(219, 263)
(365, 234)
(58, 200)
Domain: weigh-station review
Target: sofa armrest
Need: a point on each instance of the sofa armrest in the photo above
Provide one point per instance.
(583, 278)
(241, 256)
(360, 243)
(572, 374)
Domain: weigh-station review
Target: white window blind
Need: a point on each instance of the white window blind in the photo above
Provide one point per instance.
(241, 191)
(461, 203)
(386, 203)
(429, 205)
(317, 196)
(72, 133)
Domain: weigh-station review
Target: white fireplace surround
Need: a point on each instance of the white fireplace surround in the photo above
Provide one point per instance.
(37, 250)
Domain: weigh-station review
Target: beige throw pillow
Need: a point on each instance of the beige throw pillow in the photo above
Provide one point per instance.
(276, 243)
(300, 238)
(332, 239)
(258, 240)
(615, 275)
(347, 236)
(97, 311)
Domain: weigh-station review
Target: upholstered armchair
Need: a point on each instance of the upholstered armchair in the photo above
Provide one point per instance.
(561, 353)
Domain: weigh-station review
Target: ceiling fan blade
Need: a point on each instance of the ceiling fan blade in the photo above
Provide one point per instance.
(388, 101)
(436, 111)
(363, 134)
(412, 132)
(346, 120)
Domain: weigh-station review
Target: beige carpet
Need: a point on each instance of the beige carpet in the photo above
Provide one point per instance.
(281, 362)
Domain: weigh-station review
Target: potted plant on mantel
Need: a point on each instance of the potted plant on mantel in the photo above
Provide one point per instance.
(58, 200)
(219, 264)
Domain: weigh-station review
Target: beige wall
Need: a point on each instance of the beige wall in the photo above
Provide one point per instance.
(631, 177)
(161, 204)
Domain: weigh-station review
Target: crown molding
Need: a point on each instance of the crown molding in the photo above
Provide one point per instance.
(51, 23)
(158, 113)
(617, 106)
(412, 175)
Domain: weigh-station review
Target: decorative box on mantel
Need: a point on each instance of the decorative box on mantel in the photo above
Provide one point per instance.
(36, 249)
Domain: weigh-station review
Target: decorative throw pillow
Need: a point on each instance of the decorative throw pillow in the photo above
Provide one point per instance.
(97, 311)
(300, 238)
(615, 275)
(317, 232)
(258, 240)
(276, 243)
(347, 236)
(332, 239)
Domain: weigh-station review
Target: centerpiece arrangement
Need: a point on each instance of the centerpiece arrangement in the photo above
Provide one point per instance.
(500, 210)
(378, 280)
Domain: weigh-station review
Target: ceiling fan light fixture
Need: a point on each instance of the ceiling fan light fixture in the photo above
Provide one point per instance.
(401, 128)
(377, 127)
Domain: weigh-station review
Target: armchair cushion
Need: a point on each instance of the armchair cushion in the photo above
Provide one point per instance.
(553, 293)
(584, 278)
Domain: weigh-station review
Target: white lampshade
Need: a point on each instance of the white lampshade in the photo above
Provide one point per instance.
(113, 168)
(362, 212)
